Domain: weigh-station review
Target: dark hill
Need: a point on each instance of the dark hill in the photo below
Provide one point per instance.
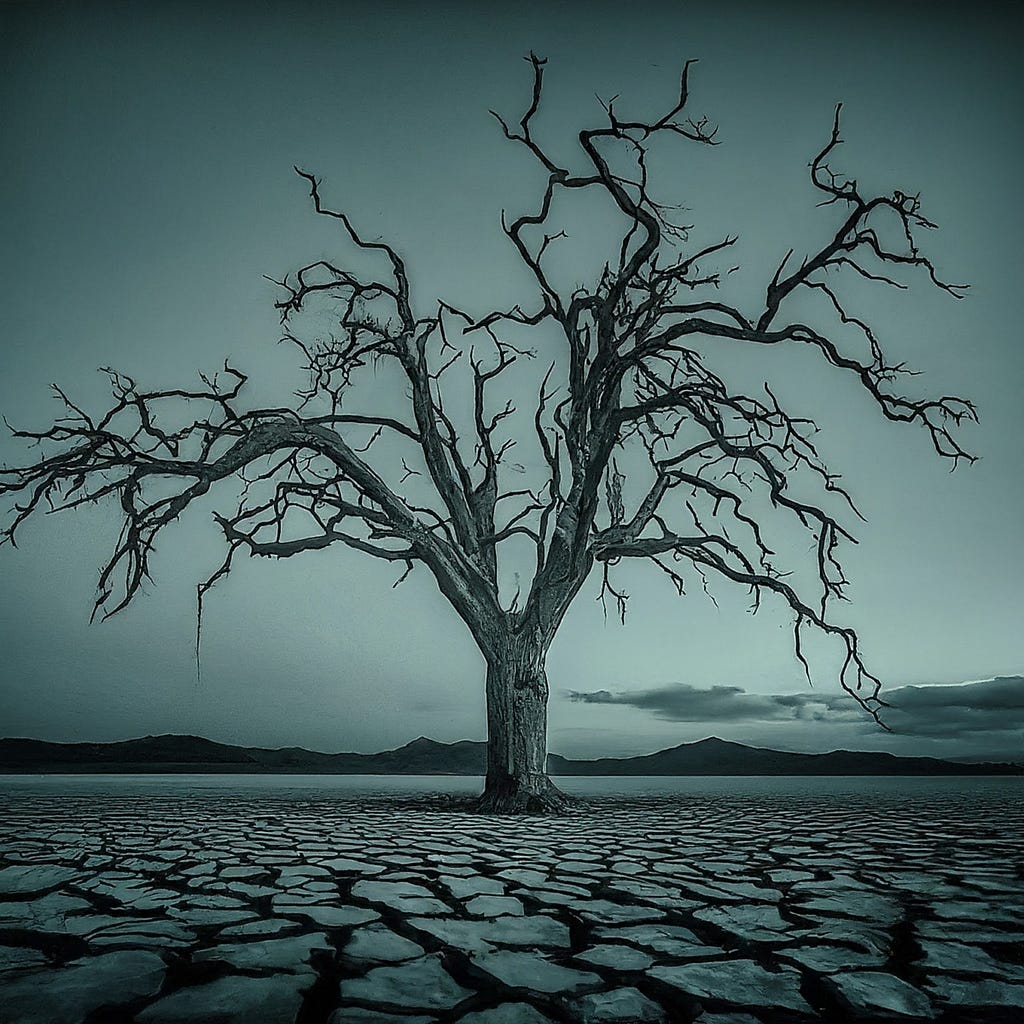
(428, 757)
(721, 757)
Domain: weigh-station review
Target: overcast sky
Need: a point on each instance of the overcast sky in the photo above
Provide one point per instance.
(147, 187)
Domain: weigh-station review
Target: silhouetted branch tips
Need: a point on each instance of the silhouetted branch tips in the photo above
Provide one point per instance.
(632, 446)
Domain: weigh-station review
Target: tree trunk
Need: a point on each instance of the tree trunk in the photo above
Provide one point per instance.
(517, 729)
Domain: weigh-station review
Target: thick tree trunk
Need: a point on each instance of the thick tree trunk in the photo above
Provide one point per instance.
(517, 730)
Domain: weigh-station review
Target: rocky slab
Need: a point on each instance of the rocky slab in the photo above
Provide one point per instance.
(233, 1000)
(421, 984)
(743, 982)
(616, 1006)
(387, 910)
(534, 972)
(868, 995)
(81, 988)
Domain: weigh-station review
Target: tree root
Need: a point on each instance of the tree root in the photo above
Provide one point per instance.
(512, 799)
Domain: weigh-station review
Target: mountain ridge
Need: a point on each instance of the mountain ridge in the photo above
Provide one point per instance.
(423, 756)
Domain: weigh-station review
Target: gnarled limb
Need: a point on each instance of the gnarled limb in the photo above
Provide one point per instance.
(644, 449)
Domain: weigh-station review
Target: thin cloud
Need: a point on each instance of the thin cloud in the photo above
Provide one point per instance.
(990, 706)
(681, 702)
(934, 711)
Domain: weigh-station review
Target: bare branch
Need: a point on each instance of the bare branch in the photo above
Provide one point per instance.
(636, 433)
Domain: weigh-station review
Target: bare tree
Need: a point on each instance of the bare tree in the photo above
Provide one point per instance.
(646, 451)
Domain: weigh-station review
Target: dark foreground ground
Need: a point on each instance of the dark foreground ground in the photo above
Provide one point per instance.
(727, 910)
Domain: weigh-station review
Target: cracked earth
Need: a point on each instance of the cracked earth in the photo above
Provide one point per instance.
(723, 910)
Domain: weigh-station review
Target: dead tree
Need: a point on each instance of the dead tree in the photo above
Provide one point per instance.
(646, 451)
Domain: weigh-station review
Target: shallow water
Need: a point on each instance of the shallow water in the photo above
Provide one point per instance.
(869, 788)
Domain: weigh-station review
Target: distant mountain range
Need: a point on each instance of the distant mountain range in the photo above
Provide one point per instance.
(467, 757)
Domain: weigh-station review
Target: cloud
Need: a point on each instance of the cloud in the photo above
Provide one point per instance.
(932, 711)
(992, 705)
(681, 702)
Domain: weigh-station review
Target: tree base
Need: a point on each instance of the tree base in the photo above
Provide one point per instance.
(532, 796)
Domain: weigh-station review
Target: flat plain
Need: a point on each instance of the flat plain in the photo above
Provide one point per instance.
(732, 908)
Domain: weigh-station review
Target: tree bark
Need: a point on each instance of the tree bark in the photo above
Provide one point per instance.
(517, 729)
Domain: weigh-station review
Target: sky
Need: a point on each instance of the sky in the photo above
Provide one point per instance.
(147, 192)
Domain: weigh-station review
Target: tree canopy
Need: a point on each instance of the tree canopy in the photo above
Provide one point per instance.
(646, 449)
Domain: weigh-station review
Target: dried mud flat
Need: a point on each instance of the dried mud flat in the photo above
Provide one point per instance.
(730, 910)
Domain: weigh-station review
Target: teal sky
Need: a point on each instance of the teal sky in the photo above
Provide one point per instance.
(147, 187)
